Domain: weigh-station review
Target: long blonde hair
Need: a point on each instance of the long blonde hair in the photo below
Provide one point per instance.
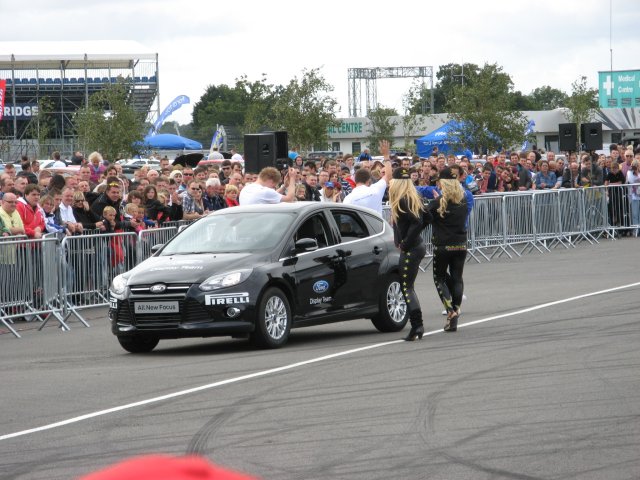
(399, 189)
(451, 192)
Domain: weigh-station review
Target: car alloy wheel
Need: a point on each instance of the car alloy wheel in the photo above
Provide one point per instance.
(396, 304)
(392, 309)
(276, 318)
(273, 320)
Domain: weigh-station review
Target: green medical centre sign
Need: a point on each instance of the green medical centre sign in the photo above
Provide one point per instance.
(619, 89)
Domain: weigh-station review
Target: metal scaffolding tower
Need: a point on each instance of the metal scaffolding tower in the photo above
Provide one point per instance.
(371, 75)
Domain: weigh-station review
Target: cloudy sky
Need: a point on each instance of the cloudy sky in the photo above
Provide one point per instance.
(200, 43)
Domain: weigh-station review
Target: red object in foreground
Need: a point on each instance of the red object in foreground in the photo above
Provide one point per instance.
(161, 467)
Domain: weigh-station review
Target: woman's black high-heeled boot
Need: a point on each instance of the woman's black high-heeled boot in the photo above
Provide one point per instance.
(452, 322)
(416, 333)
(417, 329)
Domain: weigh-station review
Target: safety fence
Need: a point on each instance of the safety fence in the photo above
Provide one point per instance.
(55, 278)
(512, 224)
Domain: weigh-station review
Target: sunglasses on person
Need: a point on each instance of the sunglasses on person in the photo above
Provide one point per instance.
(188, 174)
(196, 189)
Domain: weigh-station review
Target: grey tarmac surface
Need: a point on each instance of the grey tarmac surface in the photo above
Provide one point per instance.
(552, 393)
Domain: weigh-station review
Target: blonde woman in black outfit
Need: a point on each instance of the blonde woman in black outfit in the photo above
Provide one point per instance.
(406, 215)
(448, 214)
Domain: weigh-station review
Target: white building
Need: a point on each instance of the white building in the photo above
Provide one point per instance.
(619, 125)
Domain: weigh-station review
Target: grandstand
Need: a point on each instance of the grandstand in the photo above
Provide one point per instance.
(67, 74)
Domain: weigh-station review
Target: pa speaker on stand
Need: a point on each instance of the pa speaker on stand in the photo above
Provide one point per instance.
(567, 137)
(267, 149)
(259, 151)
(591, 135)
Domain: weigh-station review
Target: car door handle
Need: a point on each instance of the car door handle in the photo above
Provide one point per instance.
(377, 250)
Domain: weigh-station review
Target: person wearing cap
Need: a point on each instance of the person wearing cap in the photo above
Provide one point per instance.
(330, 193)
(448, 216)
(407, 211)
(293, 156)
(370, 195)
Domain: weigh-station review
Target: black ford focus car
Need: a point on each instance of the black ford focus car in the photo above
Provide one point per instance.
(258, 271)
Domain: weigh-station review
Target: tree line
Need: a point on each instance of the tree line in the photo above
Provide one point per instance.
(482, 99)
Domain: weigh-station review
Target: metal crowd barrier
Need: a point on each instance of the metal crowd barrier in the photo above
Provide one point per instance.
(30, 281)
(595, 212)
(619, 209)
(178, 223)
(487, 231)
(54, 278)
(153, 236)
(90, 262)
(546, 212)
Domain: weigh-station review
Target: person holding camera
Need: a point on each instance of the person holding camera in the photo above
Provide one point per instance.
(263, 190)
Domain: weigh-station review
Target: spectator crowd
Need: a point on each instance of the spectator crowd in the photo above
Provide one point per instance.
(96, 196)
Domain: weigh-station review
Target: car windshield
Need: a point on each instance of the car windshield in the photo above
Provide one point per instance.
(231, 232)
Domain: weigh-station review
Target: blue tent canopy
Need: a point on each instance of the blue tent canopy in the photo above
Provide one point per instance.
(444, 138)
(169, 141)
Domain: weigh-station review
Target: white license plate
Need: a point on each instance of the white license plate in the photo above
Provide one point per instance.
(149, 308)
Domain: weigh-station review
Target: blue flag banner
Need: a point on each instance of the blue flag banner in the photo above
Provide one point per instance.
(216, 140)
(172, 107)
(528, 131)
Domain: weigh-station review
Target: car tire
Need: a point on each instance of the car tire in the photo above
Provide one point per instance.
(137, 344)
(273, 322)
(393, 313)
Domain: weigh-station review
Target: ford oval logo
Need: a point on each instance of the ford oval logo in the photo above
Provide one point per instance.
(158, 288)
(320, 286)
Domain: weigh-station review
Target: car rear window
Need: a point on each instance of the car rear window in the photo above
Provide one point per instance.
(350, 225)
(376, 224)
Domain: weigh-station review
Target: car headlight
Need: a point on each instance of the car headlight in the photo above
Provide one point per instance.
(225, 280)
(119, 284)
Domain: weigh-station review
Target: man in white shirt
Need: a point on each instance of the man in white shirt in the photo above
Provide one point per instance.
(370, 195)
(263, 190)
(66, 212)
(214, 154)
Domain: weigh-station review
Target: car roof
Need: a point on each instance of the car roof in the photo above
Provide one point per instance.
(295, 207)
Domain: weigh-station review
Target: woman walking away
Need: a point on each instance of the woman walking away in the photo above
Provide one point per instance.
(406, 214)
(448, 214)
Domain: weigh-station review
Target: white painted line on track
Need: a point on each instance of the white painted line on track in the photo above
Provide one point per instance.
(271, 371)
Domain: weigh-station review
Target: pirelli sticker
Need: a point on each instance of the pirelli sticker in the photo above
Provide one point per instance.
(227, 299)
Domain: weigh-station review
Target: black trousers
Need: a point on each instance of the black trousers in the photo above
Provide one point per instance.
(409, 267)
(448, 264)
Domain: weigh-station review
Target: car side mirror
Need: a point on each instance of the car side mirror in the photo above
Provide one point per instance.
(306, 245)
(156, 248)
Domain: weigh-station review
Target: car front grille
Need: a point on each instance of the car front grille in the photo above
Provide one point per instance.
(172, 290)
(190, 310)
